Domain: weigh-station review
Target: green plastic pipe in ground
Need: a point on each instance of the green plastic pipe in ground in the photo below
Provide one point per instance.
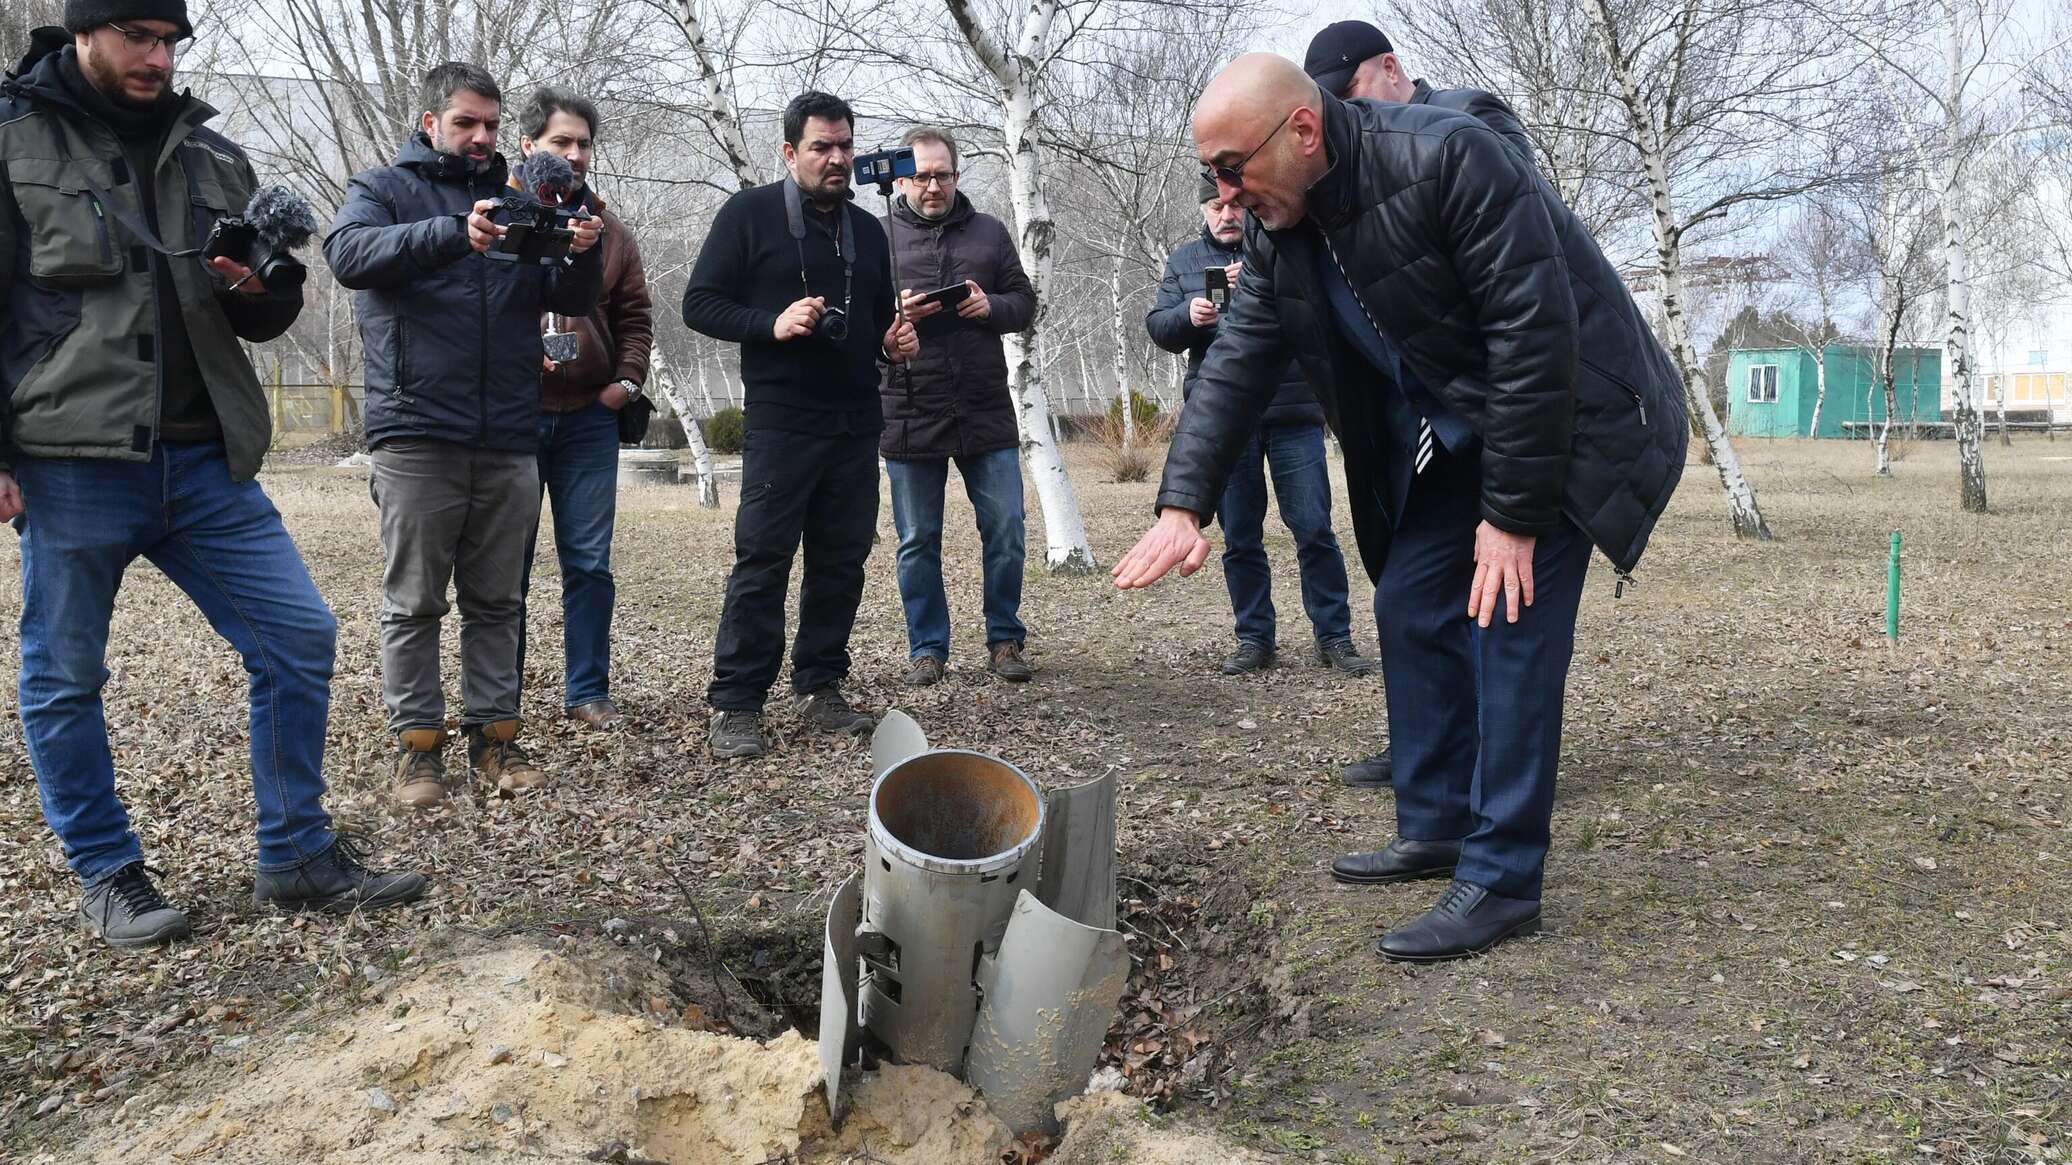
(1892, 593)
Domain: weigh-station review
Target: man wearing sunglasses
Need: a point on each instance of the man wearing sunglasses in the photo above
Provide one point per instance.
(132, 426)
(1503, 407)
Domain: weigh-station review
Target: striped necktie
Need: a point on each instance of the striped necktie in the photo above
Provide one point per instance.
(1424, 423)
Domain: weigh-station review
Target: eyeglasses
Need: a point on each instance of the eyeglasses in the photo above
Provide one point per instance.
(942, 178)
(141, 42)
(1234, 176)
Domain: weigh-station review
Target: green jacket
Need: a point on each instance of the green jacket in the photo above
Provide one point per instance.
(79, 369)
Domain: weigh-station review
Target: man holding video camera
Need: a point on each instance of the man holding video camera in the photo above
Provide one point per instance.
(453, 273)
(132, 425)
(801, 279)
(1199, 279)
(590, 403)
(964, 289)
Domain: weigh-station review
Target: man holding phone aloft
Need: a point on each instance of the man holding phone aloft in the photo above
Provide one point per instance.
(963, 289)
(1199, 277)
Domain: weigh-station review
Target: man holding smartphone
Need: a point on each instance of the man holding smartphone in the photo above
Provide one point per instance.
(963, 289)
(1196, 289)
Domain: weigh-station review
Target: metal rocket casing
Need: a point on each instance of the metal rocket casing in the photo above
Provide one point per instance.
(953, 838)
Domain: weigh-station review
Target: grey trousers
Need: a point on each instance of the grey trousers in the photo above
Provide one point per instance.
(452, 513)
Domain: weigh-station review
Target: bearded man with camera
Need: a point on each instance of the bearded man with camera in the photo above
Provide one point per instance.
(453, 272)
(801, 279)
(132, 425)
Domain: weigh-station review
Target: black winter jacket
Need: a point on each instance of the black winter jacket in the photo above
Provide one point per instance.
(1487, 108)
(1294, 401)
(956, 404)
(451, 338)
(1498, 300)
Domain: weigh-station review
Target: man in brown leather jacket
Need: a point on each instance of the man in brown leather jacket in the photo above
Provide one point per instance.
(581, 399)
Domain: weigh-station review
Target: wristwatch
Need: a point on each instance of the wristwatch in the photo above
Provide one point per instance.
(633, 391)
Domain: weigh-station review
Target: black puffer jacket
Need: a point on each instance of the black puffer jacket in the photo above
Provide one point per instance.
(1497, 298)
(451, 338)
(1487, 108)
(956, 404)
(1294, 402)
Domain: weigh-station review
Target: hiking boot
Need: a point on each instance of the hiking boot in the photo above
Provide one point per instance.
(1343, 657)
(925, 670)
(1005, 660)
(827, 711)
(1248, 658)
(737, 733)
(420, 780)
(335, 882)
(494, 753)
(597, 714)
(128, 912)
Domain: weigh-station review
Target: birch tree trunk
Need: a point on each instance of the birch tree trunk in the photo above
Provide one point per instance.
(1819, 389)
(1969, 425)
(1122, 359)
(704, 388)
(719, 108)
(1015, 73)
(701, 457)
(1741, 503)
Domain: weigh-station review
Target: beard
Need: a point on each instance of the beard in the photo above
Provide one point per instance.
(476, 162)
(112, 82)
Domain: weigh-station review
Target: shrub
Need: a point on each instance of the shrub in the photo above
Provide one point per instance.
(1143, 410)
(1136, 462)
(724, 430)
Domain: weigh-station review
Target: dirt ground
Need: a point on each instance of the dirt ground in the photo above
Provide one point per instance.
(1808, 900)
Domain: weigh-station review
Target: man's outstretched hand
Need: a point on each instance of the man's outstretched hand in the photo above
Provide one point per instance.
(1174, 541)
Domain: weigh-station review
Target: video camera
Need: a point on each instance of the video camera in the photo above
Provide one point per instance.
(274, 223)
(536, 225)
(884, 167)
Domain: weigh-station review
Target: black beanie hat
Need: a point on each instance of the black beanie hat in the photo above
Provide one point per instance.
(87, 15)
(1207, 190)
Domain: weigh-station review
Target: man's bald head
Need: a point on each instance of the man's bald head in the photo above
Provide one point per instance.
(1263, 117)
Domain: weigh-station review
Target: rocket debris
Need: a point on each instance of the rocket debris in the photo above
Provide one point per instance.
(981, 937)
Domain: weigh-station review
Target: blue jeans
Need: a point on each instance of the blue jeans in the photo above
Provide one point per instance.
(220, 541)
(1302, 485)
(993, 482)
(579, 474)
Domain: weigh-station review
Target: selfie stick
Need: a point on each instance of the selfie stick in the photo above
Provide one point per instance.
(906, 367)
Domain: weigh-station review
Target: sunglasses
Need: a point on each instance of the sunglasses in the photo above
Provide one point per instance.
(1234, 176)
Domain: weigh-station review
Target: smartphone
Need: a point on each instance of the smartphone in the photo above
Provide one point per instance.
(1219, 286)
(950, 296)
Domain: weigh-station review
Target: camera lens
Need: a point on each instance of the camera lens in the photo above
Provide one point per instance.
(834, 324)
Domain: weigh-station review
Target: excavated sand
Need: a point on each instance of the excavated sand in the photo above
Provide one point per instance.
(527, 1053)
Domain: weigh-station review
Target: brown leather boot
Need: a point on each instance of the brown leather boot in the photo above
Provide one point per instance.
(420, 780)
(494, 753)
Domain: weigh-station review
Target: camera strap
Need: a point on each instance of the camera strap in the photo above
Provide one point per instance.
(795, 218)
(130, 222)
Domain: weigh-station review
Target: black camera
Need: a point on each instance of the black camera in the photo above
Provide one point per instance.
(882, 168)
(274, 223)
(834, 324)
(537, 228)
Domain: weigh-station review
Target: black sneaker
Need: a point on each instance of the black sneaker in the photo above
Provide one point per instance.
(128, 912)
(1248, 658)
(1372, 772)
(738, 733)
(1343, 657)
(827, 711)
(335, 882)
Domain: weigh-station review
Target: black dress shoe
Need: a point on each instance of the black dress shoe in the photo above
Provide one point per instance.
(1248, 658)
(1467, 921)
(1370, 773)
(1401, 860)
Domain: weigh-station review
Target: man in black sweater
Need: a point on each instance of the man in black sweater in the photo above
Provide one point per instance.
(802, 281)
